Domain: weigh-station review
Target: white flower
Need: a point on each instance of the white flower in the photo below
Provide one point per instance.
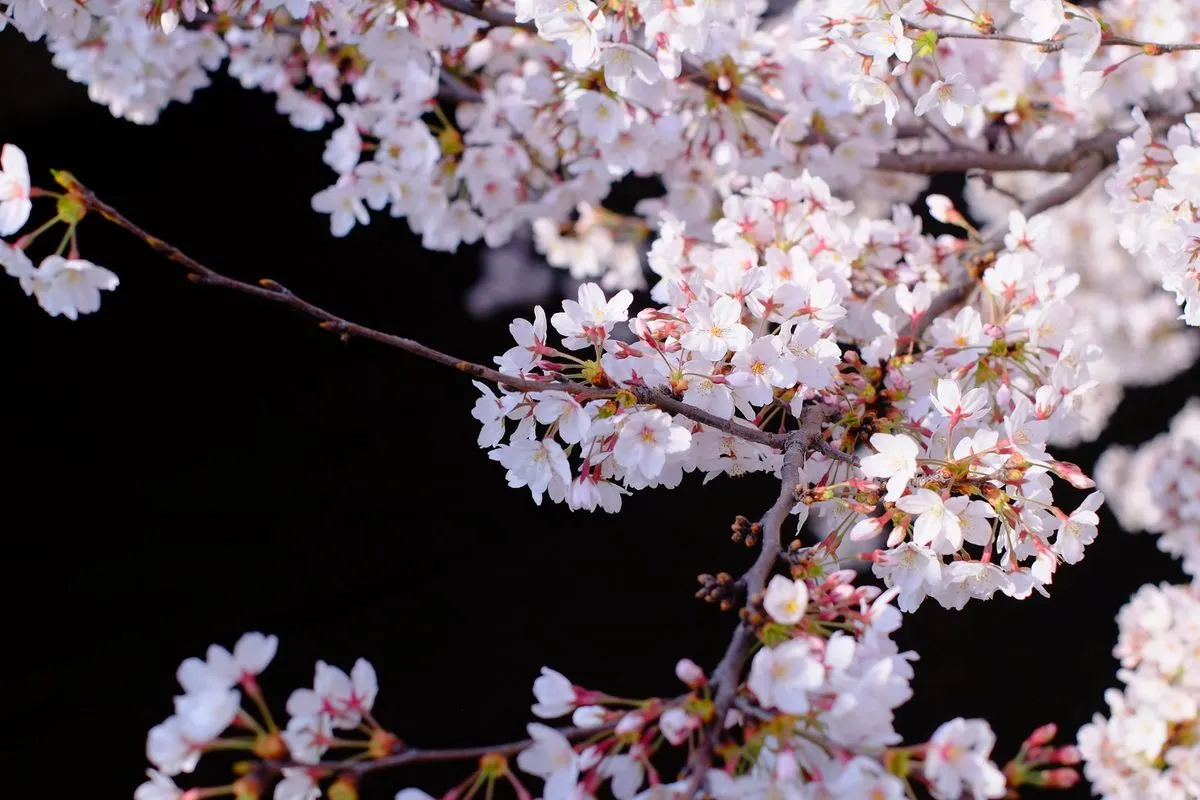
(559, 407)
(913, 569)
(895, 459)
(626, 772)
(676, 724)
(592, 317)
(15, 203)
(551, 758)
(224, 670)
(600, 117)
(342, 202)
(413, 794)
(555, 694)
(297, 784)
(1041, 18)
(491, 412)
(534, 463)
(786, 600)
(624, 61)
(715, 329)
(956, 761)
(17, 264)
(336, 696)
(646, 439)
(951, 96)
(204, 715)
(781, 677)
(69, 287)
(1079, 529)
(938, 527)
(759, 369)
(578, 23)
(951, 403)
(308, 737)
(884, 39)
(867, 90)
(159, 787)
(169, 750)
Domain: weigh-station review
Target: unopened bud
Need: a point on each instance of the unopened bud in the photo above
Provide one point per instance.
(247, 788)
(1061, 778)
(344, 788)
(690, 673)
(269, 746)
(1072, 474)
(630, 723)
(1067, 756)
(1041, 736)
(383, 743)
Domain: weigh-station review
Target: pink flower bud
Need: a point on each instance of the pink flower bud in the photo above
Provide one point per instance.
(690, 673)
(630, 723)
(1062, 778)
(1072, 474)
(1068, 755)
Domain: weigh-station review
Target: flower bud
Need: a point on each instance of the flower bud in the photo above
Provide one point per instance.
(344, 788)
(690, 673)
(1068, 755)
(1041, 736)
(630, 723)
(1061, 778)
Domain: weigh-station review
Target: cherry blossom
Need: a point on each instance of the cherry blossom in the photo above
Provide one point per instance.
(950, 96)
(796, 302)
(786, 601)
(69, 287)
(957, 760)
(15, 204)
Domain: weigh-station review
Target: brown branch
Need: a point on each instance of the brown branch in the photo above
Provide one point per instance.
(484, 13)
(274, 292)
(726, 676)
(414, 755)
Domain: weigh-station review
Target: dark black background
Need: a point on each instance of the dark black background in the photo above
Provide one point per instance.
(187, 465)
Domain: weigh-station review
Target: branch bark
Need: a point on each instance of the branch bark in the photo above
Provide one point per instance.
(726, 676)
(415, 755)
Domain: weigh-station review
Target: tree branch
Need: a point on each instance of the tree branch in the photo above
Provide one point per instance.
(274, 292)
(484, 13)
(726, 676)
(414, 755)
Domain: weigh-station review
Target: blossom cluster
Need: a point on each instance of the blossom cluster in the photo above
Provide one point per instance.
(813, 718)
(1147, 745)
(474, 120)
(1084, 233)
(68, 286)
(1153, 195)
(211, 708)
(783, 306)
(1156, 486)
